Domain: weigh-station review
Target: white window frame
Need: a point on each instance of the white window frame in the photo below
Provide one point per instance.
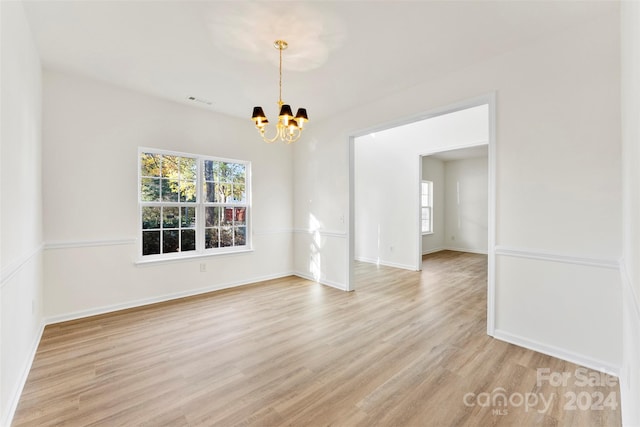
(428, 205)
(200, 204)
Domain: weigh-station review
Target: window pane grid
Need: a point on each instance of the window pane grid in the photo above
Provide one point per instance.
(174, 218)
(225, 226)
(426, 203)
(168, 229)
(166, 178)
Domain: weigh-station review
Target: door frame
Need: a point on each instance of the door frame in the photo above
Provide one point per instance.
(488, 99)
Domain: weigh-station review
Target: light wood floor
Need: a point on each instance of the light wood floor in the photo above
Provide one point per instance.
(403, 350)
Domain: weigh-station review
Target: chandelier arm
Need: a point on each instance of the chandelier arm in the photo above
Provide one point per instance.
(275, 137)
(292, 138)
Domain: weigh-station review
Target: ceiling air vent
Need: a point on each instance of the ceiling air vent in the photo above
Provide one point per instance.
(199, 100)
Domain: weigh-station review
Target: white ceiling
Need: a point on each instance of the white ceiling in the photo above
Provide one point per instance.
(342, 53)
(456, 135)
(463, 153)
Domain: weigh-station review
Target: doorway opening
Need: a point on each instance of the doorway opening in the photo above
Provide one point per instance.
(387, 216)
(454, 201)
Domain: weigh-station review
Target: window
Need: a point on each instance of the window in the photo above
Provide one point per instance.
(426, 207)
(192, 205)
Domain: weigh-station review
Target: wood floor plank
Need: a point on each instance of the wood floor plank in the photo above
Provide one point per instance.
(406, 349)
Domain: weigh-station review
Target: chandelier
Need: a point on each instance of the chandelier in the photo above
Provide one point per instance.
(289, 127)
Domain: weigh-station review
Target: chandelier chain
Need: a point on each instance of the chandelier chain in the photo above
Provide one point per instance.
(280, 84)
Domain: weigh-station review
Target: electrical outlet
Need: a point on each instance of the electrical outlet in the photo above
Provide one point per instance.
(453, 237)
(203, 267)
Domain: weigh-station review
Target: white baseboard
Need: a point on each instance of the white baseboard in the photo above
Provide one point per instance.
(14, 398)
(386, 263)
(432, 251)
(468, 250)
(326, 282)
(153, 300)
(450, 248)
(560, 353)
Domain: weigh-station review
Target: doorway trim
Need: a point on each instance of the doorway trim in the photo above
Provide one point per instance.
(490, 100)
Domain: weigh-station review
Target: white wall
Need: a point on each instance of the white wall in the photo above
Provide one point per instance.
(433, 170)
(466, 205)
(384, 187)
(387, 182)
(21, 207)
(91, 135)
(558, 181)
(630, 51)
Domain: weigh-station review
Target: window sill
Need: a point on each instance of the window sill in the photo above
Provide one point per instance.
(427, 233)
(144, 262)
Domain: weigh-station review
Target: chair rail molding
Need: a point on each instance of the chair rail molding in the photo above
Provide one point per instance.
(14, 267)
(537, 254)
